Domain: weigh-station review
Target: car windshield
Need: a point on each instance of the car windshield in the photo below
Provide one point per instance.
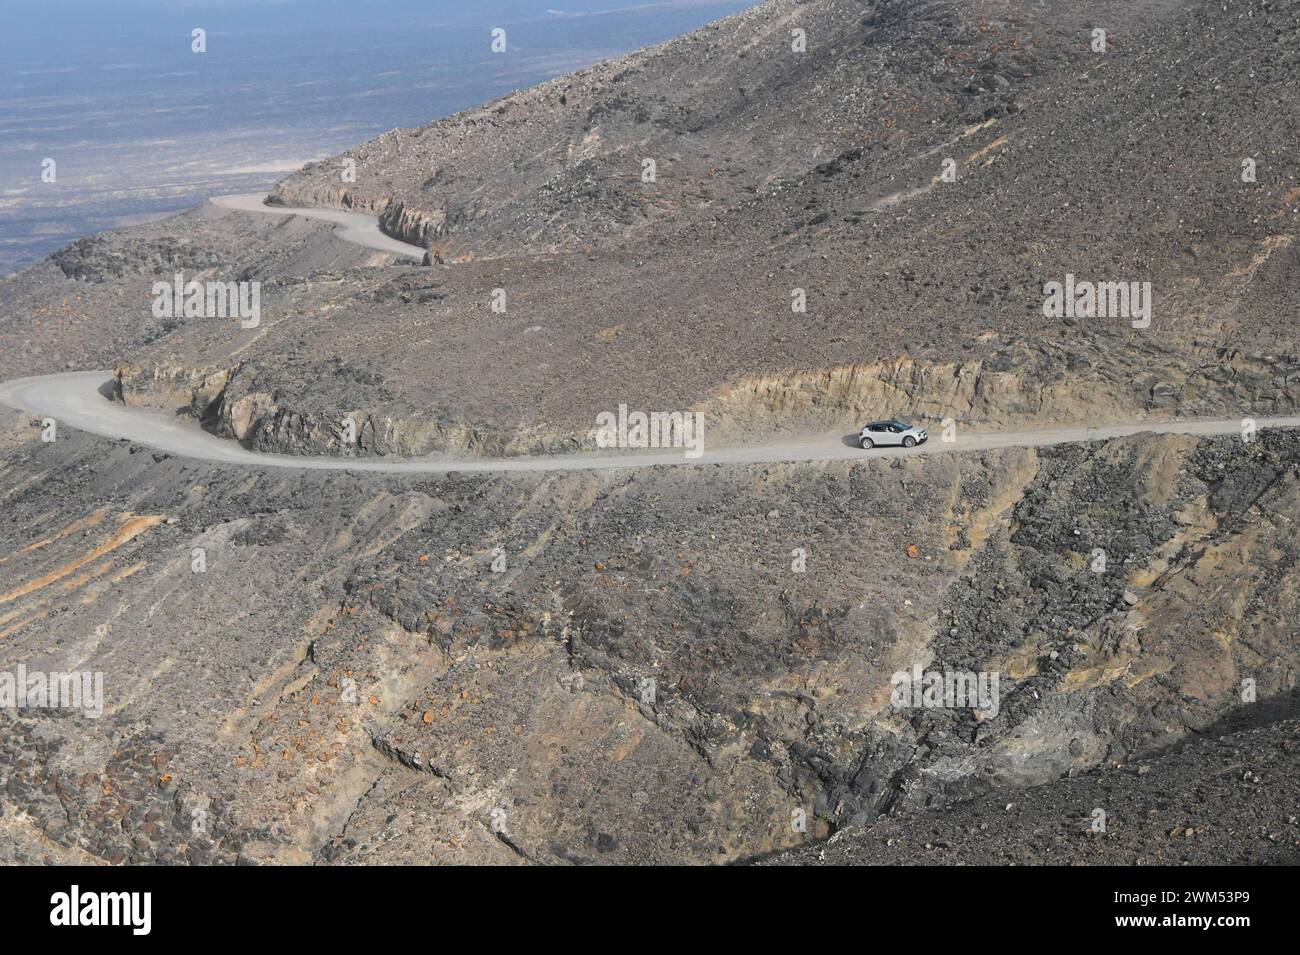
(902, 425)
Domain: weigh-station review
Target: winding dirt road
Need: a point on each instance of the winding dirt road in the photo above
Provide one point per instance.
(77, 400)
(352, 226)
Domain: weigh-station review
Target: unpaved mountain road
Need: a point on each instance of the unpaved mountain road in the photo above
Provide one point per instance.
(352, 226)
(77, 400)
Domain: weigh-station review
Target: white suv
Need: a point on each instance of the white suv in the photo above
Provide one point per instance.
(880, 434)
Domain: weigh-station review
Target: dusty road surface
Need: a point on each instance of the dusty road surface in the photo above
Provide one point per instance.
(78, 400)
(353, 227)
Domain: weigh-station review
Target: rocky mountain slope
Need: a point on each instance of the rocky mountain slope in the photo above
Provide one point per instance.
(776, 171)
(383, 670)
(1220, 800)
(695, 664)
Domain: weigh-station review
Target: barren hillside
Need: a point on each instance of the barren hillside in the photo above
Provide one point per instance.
(776, 171)
(657, 664)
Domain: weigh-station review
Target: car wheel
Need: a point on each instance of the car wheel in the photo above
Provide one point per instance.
(867, 444)
(909, 442)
